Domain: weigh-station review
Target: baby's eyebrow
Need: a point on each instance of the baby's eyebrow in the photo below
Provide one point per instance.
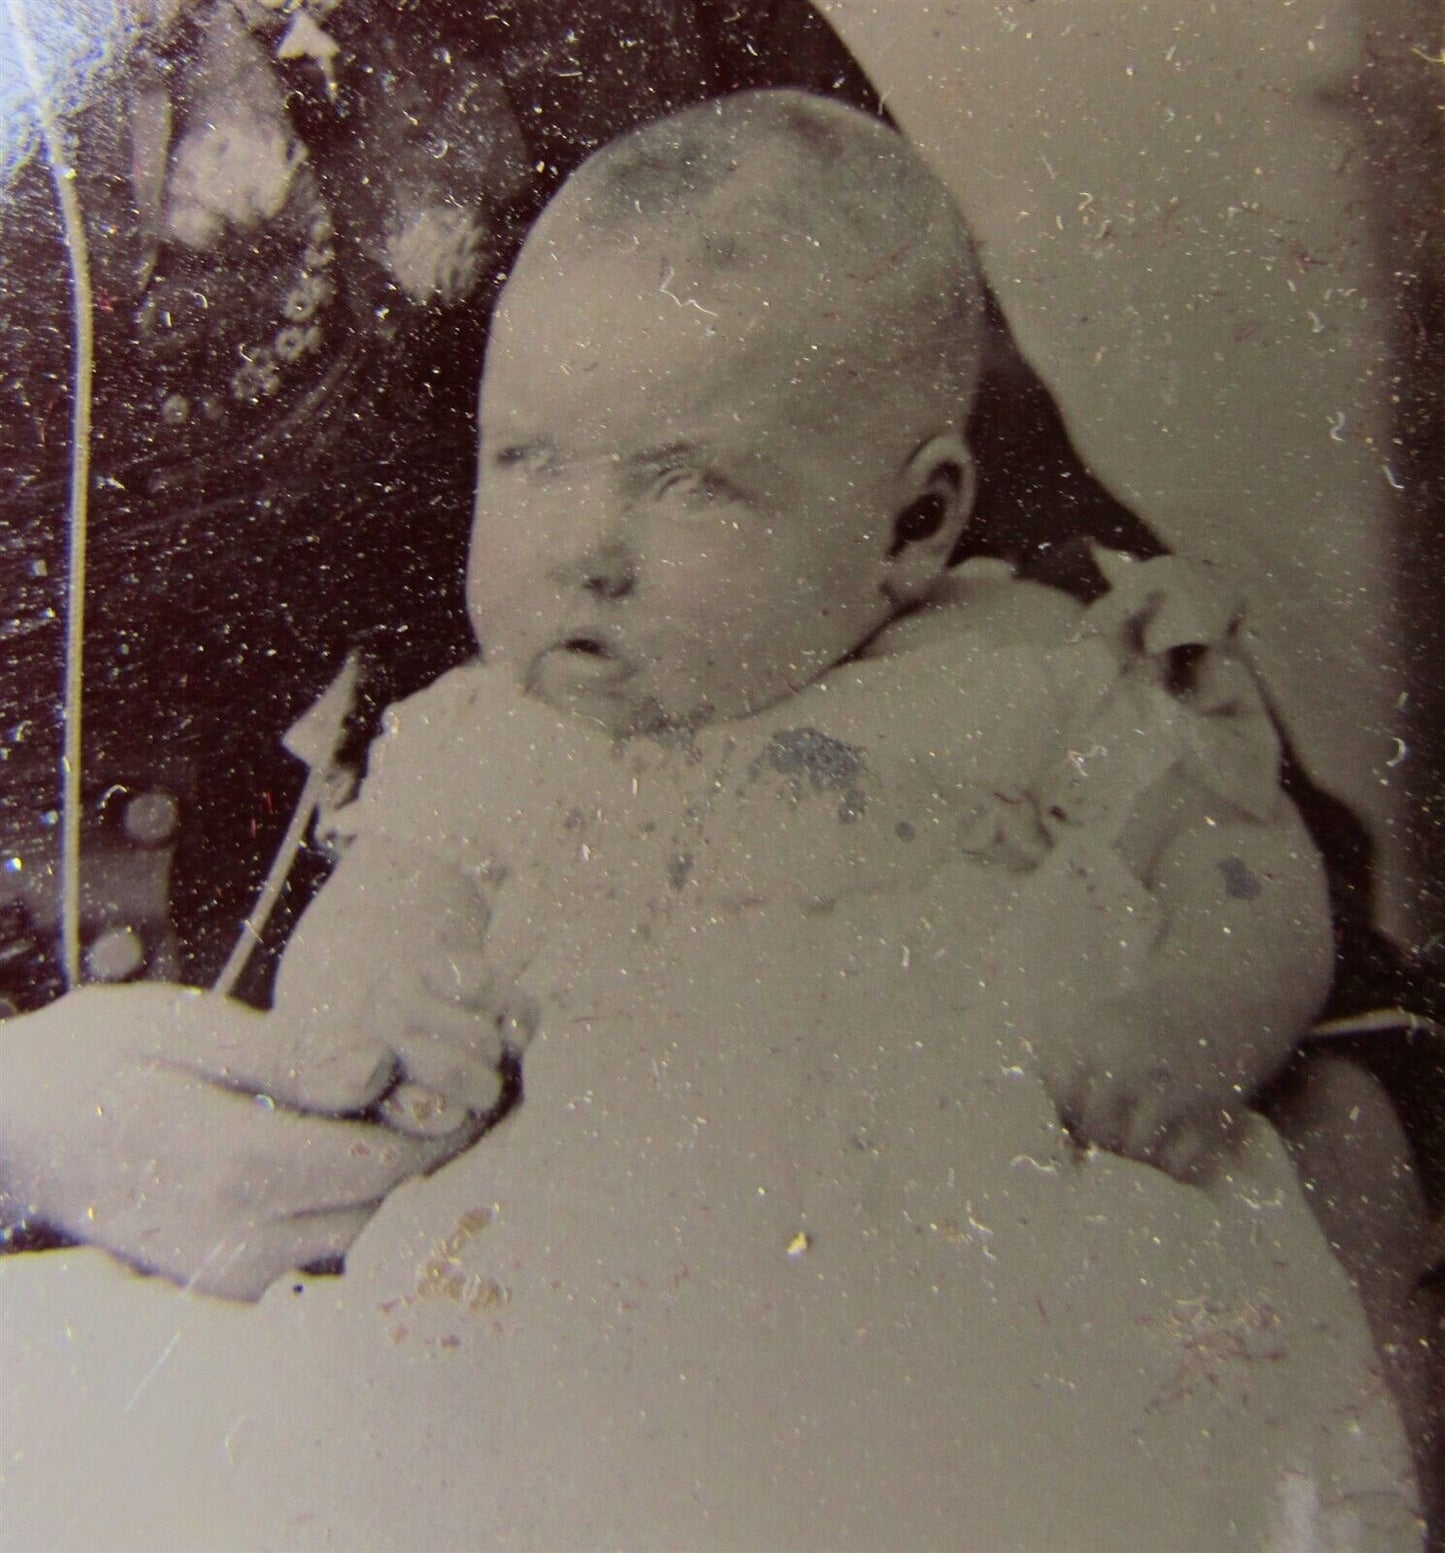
(669, 456)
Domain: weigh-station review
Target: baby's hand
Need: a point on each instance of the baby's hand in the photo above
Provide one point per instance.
(453, 1029)
(396, 945)
(1123, 1080)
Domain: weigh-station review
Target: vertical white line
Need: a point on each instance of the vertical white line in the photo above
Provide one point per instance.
(255, 924)
(78, 253)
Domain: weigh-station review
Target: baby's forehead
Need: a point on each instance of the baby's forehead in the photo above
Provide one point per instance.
(662, 282)
(641, 368)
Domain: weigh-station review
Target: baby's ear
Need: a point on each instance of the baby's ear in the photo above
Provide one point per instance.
(935, 499)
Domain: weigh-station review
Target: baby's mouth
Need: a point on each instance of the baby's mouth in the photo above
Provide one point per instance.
(589, 647)
(590, 656)
(577, 662)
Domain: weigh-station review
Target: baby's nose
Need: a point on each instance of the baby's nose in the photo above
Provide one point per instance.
(610, 572)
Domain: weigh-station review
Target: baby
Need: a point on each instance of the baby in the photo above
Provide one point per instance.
(722, 473)
(726, 664)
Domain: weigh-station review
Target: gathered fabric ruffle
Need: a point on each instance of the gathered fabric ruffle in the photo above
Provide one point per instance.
(1183, 705)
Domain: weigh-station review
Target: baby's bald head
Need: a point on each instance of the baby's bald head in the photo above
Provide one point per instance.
(781, 214)
(722, 413)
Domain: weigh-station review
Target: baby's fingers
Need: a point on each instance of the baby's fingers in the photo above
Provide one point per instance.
(1184, 1151)
(1097, 1110)
(462, 984)
(1151, 1119)
(1139, 1117)
(460, 979)
(1159, 1135)
(457, 1055)
(426, 1113)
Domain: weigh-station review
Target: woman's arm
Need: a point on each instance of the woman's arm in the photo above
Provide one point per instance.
(219, 1146)
(196, 1138)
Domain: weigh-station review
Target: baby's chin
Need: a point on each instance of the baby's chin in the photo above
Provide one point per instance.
(624, 717)
(622, 697)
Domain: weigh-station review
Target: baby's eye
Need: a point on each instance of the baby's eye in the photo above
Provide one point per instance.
(698, 486)
(528, 457)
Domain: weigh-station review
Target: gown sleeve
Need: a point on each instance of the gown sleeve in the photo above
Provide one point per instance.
(425, 770)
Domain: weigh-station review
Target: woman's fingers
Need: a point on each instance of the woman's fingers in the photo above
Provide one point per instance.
(301, 1164)
(305, 1066)
(150, 1121)
(221, 1040)
(244, 1265)
(312, 1068)
(178, 1175)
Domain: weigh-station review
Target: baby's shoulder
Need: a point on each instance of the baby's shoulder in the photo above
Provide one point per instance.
(984, 604)
(424, 770)
(441, 705)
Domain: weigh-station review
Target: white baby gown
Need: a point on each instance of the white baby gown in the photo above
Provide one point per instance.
(783, 1248)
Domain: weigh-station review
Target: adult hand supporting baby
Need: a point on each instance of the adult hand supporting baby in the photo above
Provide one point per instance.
(196, 1138)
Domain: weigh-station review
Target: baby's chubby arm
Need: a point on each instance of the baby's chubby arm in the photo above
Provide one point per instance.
(1239, 964)
(394, 947)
